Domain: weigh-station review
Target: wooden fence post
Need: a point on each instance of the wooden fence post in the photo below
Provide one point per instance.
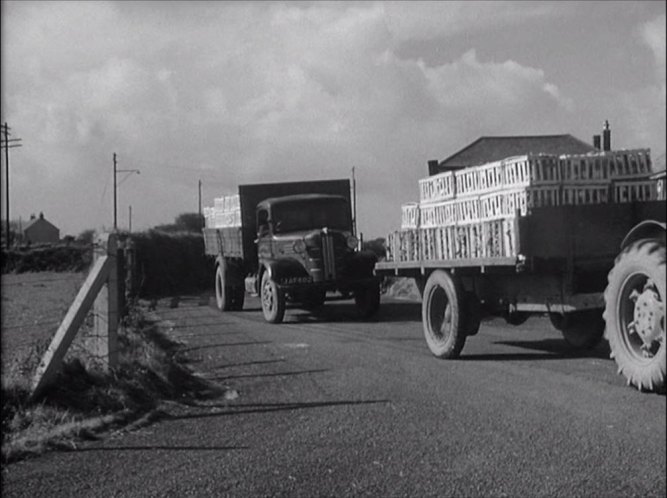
(104, 342)
(100, 291)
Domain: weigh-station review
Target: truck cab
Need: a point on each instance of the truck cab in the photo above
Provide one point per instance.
(306, 248)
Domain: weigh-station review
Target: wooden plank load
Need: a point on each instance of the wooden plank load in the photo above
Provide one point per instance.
(472, 213)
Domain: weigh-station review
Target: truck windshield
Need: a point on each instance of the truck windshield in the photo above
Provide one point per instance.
(310, 214)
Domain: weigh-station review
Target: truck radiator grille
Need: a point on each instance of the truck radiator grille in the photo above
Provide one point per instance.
(328, 257)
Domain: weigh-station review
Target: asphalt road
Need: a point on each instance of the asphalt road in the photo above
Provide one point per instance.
(325, 405)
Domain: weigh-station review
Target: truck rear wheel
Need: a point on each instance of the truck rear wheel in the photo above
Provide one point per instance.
(367, 300)
(223, 291)
(442, 315)
(581, 330)
(273, 300)
(229, 295)
(635, 314)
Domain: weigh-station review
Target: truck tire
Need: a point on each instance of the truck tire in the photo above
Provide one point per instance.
(223, 291)
(582, 330)
(473, 313)
(443, 312)
(273, 300)
(635, 314)
(367, 300)
(516, 318)
(238, 297)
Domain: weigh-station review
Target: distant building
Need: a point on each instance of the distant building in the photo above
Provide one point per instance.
(488, 149)
(40, 231)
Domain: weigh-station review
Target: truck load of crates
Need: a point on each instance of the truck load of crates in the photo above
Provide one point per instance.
(472, 212)
(225, 212)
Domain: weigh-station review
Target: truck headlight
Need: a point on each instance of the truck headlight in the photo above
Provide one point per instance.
(352, 242)
(299, 246)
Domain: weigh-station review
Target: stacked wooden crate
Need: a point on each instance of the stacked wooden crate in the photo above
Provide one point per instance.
(226, 212)
(472, 213)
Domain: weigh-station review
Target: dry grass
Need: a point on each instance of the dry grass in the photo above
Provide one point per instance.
(83, 403)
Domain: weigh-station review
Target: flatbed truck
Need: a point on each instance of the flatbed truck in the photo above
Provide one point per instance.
(596, 270)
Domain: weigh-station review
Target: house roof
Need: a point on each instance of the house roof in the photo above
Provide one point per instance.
(40, 220)
(489, 149)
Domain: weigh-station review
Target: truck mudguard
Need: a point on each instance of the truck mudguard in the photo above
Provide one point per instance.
(648, 229)
(286, 271)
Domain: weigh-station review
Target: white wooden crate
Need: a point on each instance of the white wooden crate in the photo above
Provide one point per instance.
(467, 181)
(436, 188)
(410, 215)
(531, 170)
(505, 203)
(491, 176)
(640, 190)
(632, 163)
(438, 214)
(585, 168)
(660, 189)
(579, 194)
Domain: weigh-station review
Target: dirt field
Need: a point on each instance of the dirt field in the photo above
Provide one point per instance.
(33, 304)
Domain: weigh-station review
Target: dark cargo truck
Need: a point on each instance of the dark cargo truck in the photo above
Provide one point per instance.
(295, 244)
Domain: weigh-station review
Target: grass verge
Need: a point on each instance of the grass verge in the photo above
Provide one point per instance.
(83, 403)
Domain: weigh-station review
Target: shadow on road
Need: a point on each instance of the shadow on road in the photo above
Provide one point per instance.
(552, 349)
(222, 345)
(273, 374)
(242, 409)
(157, 448)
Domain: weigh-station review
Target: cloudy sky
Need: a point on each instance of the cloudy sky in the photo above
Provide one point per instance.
(247, 92)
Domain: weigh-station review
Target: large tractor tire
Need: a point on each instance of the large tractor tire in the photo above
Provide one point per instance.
(582, 330)
(273, 300)
(229, 294)
(443, 315)
(367, 300)
(635, 314)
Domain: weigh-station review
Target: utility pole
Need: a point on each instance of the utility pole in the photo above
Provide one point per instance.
(200, 201)
(354, 206)
(115, 189)
(7, 143)
(115, 224)
(130, 228)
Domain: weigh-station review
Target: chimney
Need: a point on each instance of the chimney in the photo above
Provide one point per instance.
(606, 137)
(433, 167)
(596, 141)
(32, 216)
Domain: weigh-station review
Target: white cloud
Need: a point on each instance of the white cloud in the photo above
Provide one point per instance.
(246, 92)
(653, 35)
(430, 20)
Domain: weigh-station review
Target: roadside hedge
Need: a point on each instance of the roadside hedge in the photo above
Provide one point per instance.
(168, 264)
(58, 258)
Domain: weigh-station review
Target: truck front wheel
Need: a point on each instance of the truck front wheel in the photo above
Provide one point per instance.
(273, 300)
(635, 314)
(442, 315)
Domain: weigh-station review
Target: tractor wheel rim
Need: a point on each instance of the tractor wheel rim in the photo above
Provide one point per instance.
(642, 317)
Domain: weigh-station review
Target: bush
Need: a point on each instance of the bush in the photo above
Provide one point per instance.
(58, 258)
(168, 264)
